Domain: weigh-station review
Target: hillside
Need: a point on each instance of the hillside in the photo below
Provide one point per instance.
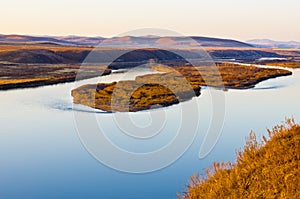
(59, 54)
(25, 38)
(267, 43)
(43, 56)
(127, 41)
(266, 169)
(74, 49)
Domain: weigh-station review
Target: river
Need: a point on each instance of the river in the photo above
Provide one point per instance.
(42, 156)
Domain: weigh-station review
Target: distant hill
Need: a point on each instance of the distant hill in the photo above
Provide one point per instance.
(74, 49)
(31, 39)
(129, 59)
(267, 43)
(79, 40)
(215, 42)
(127, 41)
(174, 42)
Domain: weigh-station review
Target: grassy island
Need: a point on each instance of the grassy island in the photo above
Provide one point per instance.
(174, 84)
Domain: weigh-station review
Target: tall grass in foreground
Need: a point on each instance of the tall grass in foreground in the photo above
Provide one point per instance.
(269, 168)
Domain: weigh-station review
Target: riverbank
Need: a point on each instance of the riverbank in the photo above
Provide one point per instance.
(14, 76)
(263, 169)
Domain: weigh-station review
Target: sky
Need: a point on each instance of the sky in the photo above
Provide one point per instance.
(235, 19)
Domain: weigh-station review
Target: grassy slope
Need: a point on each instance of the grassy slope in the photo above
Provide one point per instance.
(266, 169)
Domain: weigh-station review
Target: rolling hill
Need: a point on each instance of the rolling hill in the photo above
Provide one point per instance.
(23, 49)
(267, 43)
(127, 41)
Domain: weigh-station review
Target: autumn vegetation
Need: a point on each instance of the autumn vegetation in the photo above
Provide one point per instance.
(228, 75)
(286, 64)
(145, 92)
(32, 75)
(266, 168)
(173, 85)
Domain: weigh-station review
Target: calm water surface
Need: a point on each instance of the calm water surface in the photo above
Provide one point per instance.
(41, 155)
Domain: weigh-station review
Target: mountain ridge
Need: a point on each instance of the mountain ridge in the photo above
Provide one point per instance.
(268, 43)
(128, 40)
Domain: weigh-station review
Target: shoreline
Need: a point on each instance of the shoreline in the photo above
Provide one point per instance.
(35, 82)
(35, 75)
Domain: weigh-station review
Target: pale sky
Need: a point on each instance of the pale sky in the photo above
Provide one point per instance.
(236, 19)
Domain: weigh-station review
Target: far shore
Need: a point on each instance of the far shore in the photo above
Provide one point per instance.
(18, 76)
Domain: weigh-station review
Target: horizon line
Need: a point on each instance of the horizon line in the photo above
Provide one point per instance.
(149, 36)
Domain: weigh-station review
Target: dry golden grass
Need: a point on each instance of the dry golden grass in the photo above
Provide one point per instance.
(33, 75)
(175, 84)
(228, 75)
(21, 81)
(287, 64)
(145, 92)
(57, 48)
(263, 169)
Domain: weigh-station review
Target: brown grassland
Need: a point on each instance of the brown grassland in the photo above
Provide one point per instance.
(33, 75)
(286, 64)
(228, 75)
(27, 46)
(145, 92)
(269, 168)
